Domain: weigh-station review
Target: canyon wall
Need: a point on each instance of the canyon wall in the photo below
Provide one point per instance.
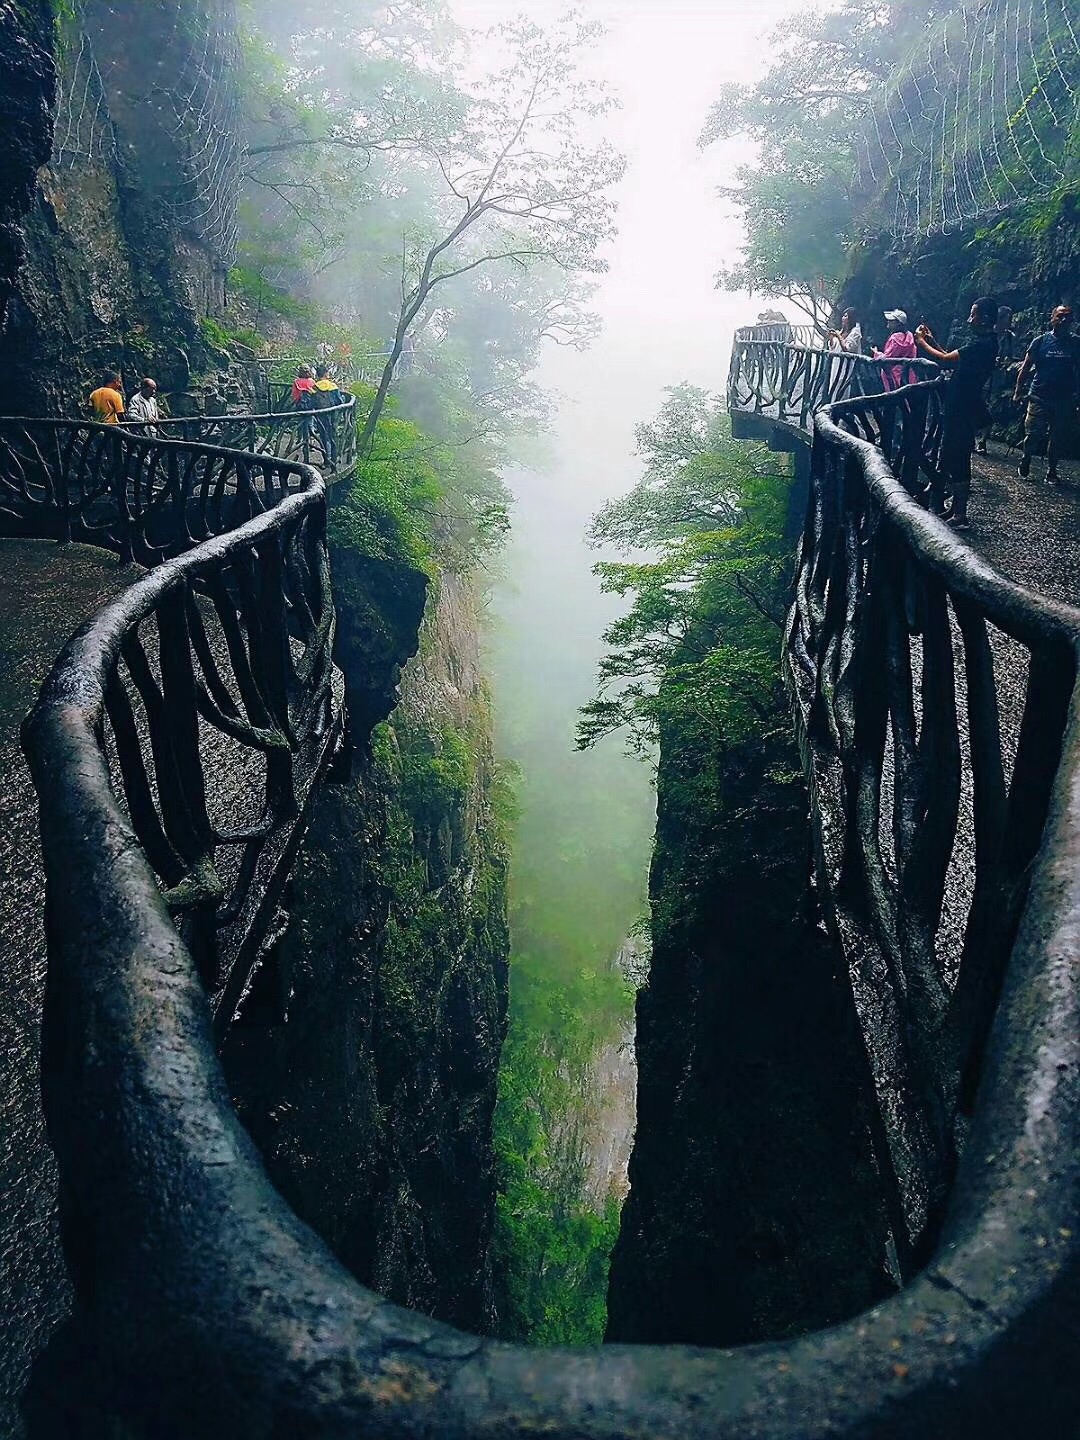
(366, 1064)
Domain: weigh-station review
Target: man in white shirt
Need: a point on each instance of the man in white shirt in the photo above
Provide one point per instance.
(143, 407)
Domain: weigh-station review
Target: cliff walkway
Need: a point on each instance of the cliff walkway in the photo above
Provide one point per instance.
(935, 703)
(111, 498)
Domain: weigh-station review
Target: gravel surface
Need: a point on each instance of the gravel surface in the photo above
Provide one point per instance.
(1027, 529)
(45, 594)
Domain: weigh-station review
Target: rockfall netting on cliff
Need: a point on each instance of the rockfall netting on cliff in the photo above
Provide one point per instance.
(984, 115)
(157, 84)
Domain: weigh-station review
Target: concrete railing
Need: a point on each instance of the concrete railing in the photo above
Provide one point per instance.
(206, 1307)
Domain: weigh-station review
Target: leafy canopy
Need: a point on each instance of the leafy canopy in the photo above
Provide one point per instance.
(706, 603)
(800, 196)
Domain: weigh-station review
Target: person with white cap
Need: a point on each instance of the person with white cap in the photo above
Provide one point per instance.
(899, 346)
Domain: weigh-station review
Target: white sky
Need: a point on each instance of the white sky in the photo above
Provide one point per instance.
(663, 322)
(663, 319)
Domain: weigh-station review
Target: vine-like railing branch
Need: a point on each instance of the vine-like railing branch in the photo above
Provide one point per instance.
(218, 706)
(323, 438)
(932, 697)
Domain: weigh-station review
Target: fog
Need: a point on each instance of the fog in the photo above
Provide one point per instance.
(581, 857)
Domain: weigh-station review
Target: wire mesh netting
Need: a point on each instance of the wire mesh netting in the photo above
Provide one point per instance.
(985, 116)
(82, 134)
(205, 103)
(196, 103)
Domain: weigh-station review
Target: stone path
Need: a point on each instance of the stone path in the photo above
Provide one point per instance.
(1028, 530)
(45, 594)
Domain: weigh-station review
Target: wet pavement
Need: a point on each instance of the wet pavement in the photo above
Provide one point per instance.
(45, 594)
(1027, 529)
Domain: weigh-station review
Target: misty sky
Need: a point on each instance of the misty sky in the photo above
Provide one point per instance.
(664, 322)
(663, 319)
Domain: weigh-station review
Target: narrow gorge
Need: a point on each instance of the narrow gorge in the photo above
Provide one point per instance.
(538, 884)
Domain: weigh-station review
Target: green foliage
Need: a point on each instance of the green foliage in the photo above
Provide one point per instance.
(702, 633)
(420, 501)
(214, 333)
(578, 873)
(268, 299)
(388, 508)
(425, 938)
(806, 115)
(220, 337)
(438, 770)
(552, 1244)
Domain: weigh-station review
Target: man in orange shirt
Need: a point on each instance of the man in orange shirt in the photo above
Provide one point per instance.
(107, 401)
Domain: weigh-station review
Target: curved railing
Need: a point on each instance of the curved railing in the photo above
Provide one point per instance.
(208, 1308)
(787, 382)
(218, 707)
(324, 438)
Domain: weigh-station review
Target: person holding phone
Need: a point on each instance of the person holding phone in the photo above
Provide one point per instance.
(971, 366)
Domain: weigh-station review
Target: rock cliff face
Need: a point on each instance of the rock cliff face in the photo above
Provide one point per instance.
(753, 1211)
(1029, 260)
(27, 94)
(133, 218)
(366, 1064)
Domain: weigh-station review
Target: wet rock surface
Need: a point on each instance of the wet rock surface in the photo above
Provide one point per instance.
(753, 1212)
(27, 91)
(115, 272)
(365, 1065)
(46, 592)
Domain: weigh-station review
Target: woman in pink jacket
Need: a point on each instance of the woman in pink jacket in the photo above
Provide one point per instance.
(899, 346)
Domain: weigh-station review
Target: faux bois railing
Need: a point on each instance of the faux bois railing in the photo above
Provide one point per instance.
(206, 1307)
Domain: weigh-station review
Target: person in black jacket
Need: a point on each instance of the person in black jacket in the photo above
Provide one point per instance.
(972, 365)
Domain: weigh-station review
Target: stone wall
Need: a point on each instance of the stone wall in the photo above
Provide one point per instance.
(1029, 259)
(27, 94)
(753, 1210)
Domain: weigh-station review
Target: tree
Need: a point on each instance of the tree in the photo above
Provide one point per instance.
(803, 197)
(334, 103)
(520, 186)
(702, 634)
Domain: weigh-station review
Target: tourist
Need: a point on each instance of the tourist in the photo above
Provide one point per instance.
(143, 409)
(1053, 361)
(325, 396)
(964, 407)
(849, 337)
(303, 389)
(107, 401)
(900, 345)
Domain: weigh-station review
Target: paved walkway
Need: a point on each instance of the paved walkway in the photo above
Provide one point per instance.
(45, 594)
(1027, 529)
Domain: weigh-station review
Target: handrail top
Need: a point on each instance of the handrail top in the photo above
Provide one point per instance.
(1018, 611)
(132, 427)
(249, 416)
(916, 361)
(128, 433)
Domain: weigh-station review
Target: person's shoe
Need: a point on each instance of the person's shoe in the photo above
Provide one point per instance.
(1053, 478)
(958, 522)
(980, 447)
(1024, 468)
